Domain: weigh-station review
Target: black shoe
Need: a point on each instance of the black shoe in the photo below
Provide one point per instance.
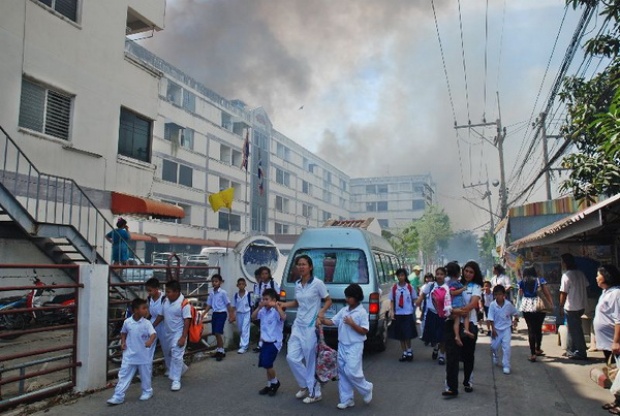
(273, 389)
(265, 391)
(435, 354)
(449, 394)
(468, 388)
(219, 356)
(409, 357)
(256, 349)
(403, 358)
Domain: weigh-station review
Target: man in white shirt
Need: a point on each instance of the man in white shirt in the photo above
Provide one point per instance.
(573, 300)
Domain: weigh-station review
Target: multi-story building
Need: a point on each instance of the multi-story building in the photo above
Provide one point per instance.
(395, 201)
(148, 142)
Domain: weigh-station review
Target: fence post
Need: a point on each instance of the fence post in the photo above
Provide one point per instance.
(92, 327)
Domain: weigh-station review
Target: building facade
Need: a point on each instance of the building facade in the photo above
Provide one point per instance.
(395, 201)
(85, 102)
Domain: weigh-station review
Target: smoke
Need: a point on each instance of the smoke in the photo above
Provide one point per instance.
(368, 74)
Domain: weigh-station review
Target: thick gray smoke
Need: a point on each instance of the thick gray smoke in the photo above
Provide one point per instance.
(367, 73)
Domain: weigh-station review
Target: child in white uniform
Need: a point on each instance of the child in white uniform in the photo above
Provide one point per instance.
(403, 327)
(176, 316)
(501, 314)
(264, 281)
(220, 304)
(137, 337)
(353, 325)
(242, 304)
(155, 301)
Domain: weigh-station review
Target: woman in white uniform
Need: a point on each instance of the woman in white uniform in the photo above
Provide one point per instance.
(301, 356)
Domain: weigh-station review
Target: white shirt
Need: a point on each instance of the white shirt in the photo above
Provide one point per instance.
(218, 300)
(174, 317)
(408, 298)
(606, 317)
(502, 315)
(488, 298)
(309, 298)
(471, 291)
(260, 287)
(138, 333)
(155, 306)
(574, 284)
(242, 303)
(502, 279)
(346, 334)
(427, 289)
(271, 326)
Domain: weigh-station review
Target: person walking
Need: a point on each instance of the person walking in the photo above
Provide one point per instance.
(528, 288)
(573, 300)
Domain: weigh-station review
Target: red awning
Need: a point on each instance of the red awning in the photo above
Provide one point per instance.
(142, 237)
(123, 204)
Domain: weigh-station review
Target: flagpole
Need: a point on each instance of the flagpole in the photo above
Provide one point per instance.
(246, 203)
(228, 235)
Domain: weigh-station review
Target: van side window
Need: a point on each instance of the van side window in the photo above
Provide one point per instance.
(380, 271)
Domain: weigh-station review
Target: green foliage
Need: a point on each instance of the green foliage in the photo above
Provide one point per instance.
(405, 243)
(487, 246)
(593, 121)
(434, 231)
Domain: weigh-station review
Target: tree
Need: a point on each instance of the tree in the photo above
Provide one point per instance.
(405, 243)
(487, 246)
(434, 231)
(593, 121)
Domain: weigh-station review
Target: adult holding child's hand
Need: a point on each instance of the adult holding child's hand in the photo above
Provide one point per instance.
(301, 356)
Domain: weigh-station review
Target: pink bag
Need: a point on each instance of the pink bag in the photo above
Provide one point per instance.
(326, 360)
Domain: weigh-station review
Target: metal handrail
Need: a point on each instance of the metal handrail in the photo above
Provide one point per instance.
(60, 181)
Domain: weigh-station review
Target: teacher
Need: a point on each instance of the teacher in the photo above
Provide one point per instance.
(472, 280)
(301, 356)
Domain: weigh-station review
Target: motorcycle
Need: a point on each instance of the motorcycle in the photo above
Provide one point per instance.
(12, 322)
(45, 297)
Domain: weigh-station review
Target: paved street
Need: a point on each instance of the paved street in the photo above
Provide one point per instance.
(552, 386)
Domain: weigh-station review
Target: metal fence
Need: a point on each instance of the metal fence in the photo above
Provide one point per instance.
(195, 284)
(38, 336)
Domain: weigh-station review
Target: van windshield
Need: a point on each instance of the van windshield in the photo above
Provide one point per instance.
(334, 266)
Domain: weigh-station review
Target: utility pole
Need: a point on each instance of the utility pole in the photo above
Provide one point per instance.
(543, 130)
(486, 195)
(501, 135)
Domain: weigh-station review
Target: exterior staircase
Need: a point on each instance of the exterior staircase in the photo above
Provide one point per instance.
(54, 212)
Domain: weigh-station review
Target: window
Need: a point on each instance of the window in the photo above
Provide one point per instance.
(225, 184)
(187, 139)
(67, 8)
(236, 158)
(177, 173)
(282, 204)
(283, 152)
(380, 271)
(384, 224)
(382, 206)
(225, 154)
(418, 190)
(327, 196)
(371, 206)
(174, 93)
(382, 189)
(225, 219)
(306, 187)
(327, 177)
(418, 205)
(227, 121)
(343, 184)
(187, 209)
(371, 189)
(134, 138)
(45, 110)
(281, 228)
(312, 167)
(189, 101)
(335, 266)
(182, 136)
(327, 215)
(282, 177)
(306, 211)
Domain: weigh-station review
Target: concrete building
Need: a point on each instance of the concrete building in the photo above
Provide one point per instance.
(142, 139)
(395, 201)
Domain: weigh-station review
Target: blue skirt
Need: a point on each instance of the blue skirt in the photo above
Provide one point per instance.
(433, 328)
(403, 328)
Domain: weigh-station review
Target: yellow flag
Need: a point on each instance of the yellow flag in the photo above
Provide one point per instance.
(222, 199)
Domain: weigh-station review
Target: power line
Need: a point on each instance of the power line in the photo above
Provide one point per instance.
(443, 61)
(486, 52)
(464, 62)
(501, 45)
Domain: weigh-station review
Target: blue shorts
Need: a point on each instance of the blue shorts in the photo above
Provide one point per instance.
(218, 320)
(268, 355)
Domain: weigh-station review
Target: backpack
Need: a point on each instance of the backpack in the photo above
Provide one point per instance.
(196, 325)
(326, 368)
(409, 287)
(272, 285)
(438, 297)
(249, 294)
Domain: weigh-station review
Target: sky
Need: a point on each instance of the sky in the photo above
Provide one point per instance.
(369, 76)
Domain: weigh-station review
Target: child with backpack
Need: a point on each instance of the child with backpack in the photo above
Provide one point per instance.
(137, 337)
(353, 325)
(501, 315)
(176, 316)
(458, 301)
(403, 327)
(220, 304)
(272, 317)
(242, 305)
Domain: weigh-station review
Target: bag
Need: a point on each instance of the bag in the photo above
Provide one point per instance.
(196, 325)
(611, 368)
(615, 386)
(438, 296)
(542, 304)
(326, 360)
(249, 301)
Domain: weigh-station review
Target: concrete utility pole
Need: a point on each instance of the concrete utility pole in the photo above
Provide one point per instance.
(543, 130)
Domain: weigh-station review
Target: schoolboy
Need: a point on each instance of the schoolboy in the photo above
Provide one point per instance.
(264, 280)
(137, 337)
(176, 316)
(220, 304)
(353, 325)
(155, 301)
(487, 299)
(501, 314)
(272, 318)
(242, 305)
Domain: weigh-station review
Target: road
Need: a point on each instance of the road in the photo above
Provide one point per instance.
(551, 386)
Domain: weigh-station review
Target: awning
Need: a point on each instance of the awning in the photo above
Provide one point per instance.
(142, 237)
(586, 220)
(167, 239)
(123, 204)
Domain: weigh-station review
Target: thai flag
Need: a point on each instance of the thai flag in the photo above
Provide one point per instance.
(246, 150)
(261, 177)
